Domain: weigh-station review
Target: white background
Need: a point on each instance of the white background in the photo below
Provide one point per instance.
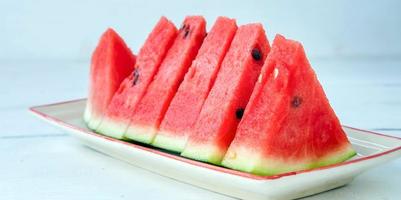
(46, 29)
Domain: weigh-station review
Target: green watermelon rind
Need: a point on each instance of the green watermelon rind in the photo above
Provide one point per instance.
(164, 141)
(90, 118)
(205, 153)
(140, 133)
(112, 128)
(88, 112)
(244, 162)
(341, 157)
(94, 122)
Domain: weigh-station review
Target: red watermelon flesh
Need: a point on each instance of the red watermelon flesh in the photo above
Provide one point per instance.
(187, 102)
(111, 62)
(288, 124)
(222, 110)
(117, 117)
(147, 116)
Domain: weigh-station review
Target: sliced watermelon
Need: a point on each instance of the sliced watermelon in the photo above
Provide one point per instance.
(112, 61)
(147, 116)
(288, 124)
(187, 102)
(222, 110)
(117, 117)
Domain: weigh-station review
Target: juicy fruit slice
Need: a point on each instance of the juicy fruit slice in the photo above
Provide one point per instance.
(119, 111)
(111, 62)
(288, 124)
(222, 110)
(152, 107)
(187, 102)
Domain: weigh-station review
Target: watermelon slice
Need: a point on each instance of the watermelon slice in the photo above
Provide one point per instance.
(116, 119)
(187, 102)
(112, 61)
(152, 107)
(288, 124)
(222, 110)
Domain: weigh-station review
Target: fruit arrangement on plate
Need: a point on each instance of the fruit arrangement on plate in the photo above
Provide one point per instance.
(225, 97)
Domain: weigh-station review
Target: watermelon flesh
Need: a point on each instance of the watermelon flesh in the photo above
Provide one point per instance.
(187, 102)
(147, 116)
(116, 118)
(288, 124)
(111, 62)
(222, 110)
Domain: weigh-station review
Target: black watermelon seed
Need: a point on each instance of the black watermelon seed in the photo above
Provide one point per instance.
(256, 55)
(183, 26)
(136, 77)
(296, 102)
(239, 113)
(186, 31)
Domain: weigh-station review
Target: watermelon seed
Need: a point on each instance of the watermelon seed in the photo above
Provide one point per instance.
(256, 55)
(239, 113)
(136, 77)
(183, 27)
(186, 33)
(186, 30)
(296, 102)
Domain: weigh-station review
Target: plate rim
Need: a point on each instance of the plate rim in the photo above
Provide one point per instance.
(35, 111)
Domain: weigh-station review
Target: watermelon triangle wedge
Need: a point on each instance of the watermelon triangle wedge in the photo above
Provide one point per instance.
(111, 62)
(187, 102)
(148, 114)
(288, 124)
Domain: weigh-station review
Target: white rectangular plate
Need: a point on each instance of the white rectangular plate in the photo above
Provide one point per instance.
(372, 148)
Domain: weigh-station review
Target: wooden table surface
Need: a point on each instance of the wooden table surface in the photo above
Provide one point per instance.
(41, 162)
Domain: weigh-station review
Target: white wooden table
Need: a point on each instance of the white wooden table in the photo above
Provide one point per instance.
(41, 162)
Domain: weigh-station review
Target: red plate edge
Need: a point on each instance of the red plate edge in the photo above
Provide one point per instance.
(206, 165)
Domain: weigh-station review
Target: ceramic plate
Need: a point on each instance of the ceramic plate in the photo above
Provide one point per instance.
(372, 149)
